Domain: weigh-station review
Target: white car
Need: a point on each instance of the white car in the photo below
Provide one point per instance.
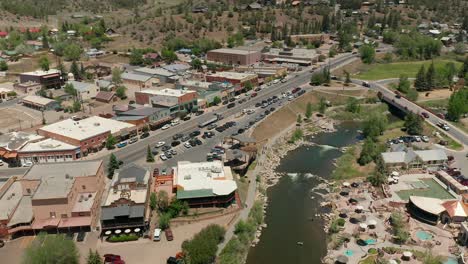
(290, 98)
(425, 138)
(167, 126)
(163, 157)
(417, 138)
(27, 164)
(175, 122)
(160, 144)
(157, 234)
(237, 97)
(187, 145)
(1, 162)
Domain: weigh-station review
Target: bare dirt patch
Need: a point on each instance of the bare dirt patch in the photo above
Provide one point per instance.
(434, 95)
(14, 119)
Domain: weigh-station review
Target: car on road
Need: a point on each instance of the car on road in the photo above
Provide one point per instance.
(199, 112)
(132, 140)
(290, 98)
(166, 126)
(144, 135)
(240, 131)
(295, 90)
(175, 122)
(397, 94)
(186, 118)
(365, 84)
(175, 143)
(122, 144)
(231, 105)
(425, 115)
(187, 145)
(212, 126)
(253, 95)
(163, 157)
(169, 235)
(160, 144)
(166, 148)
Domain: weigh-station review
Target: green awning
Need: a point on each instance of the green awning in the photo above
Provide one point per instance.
(181, 194)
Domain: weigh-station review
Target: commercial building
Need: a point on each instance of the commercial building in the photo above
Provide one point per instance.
(433, 211)
(234, 56)
(13, 142)
(204, 183)
(303, 57)
(55, 198)
(30, 88)
(168, 98)
(143, 97)
(414, 159)
(145, 116)
(125, 204)
(235, 78)
(163, 75)
(48, 151)
(264, 71)
(225, 89)
(47, 79)
(85, 91)
(139, 80)
(89, 134)
(39, 103)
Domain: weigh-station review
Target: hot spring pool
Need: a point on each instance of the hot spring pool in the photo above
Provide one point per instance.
(451, 261)
(424, 235)
(349, 253)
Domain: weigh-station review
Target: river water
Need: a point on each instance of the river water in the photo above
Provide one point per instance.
(291, 213)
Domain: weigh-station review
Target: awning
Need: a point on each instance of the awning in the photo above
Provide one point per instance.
(11, 155)
(2, 152)
(40, 224)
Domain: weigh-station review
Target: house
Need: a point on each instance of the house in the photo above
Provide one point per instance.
(125, 204)
(106, 97)
(4, 93)
(139, 80)
(89, 133)
(203, 184)
(85, 91)
(105, 85)
(39, 103)
(29, 87)
(415, 159)
(177, 68)
(47, 79)
(93, 53)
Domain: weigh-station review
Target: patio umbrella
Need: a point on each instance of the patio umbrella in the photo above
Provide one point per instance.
(372, 222)
(137, 230)
(407, 254)
(392, 261)
(127, 231)
(342, 259)
(343, 213)
(354, 184)
(108, 232)
(118, 231)
(362, 226)
(346, 184)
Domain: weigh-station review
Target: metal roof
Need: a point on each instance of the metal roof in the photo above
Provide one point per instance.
(201, 193)
(135, 211)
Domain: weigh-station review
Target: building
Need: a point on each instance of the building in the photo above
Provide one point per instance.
(30, 88)
(204, 183)
(163, 75)
(234, 56)
(64, 198)
(149, 115)
(177, 68)
(264, 71)
(225, 89)
(106, 97)
(11, 143)
(139, 80)
(39, 103)
(433, 211)
(89, 134)
(143, 97)
(4, 93)
(47, 79)
(463, 234)
(125, 204)
(303, 57)
(85, 91)
(235, 78)
(11, 195)
(310, 38)
(48, 151)
(454, 185)
(415, 159)
(183, 99)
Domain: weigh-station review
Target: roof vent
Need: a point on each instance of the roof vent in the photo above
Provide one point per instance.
(67, 176)
(187, 177)
(97, 124)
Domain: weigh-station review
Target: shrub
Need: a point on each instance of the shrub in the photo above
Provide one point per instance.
(123, 238)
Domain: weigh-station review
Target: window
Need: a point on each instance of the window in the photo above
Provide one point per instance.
(84, 187)
(86, 143)
(92, 140)
(28, 191)
(52, 214)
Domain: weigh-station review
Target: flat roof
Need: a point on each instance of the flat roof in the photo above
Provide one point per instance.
(233, 51)
(233, 75)
(193, 83)
(154, 71)
(84, 203)
(131, 173)
(73, 169)
(23, 213)
(37, 100)
(86, 128)
(55, 186)
(41, 73)
(131, 211)
(138, 196)
(4, 90)
(16, 140)
(148, 91)
(197, 176)
(172, 92)
(47, 145)
(81, 86)
(135, 77)
(427, 204)
(10, 200)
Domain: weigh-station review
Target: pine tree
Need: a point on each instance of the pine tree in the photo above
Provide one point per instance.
(45, 41)
(113, 165)
(420, 82)
(308, 112)
(75, 70)
(149, 155)
(430, 77)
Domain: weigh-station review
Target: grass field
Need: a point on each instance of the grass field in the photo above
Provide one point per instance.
(394, 70)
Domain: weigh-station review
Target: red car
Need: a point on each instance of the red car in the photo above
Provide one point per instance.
(425, 115)
(113, 259)
(169, 235)
(253, 95)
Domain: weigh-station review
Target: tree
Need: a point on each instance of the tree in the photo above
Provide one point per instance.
(44, 63)
(367, 53)
(116, 76)
(399, 227)
(196, 64)
(45, 40)
(75, 70)
(368, 152)
(322, 105)
(72, 52)
(458, 104)
(348, 78)
(70, 89)
(299, 119)
(248, 86)
(120, 92)
(76, 107)
(413, 124)
(110, 142)
(54, 249)
(352, 105)
(153, 201)
(168, 55)
(136, 57)
(164, 221)
(163, 201)
(403, 84)
(93, 257)
(3, 65)
(431, 77)
(202, 248)
(374, 125)
(308, 113)
(216, 100)
(113, 165)
(149, 155)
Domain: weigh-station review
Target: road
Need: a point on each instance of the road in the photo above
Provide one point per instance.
(406, 104)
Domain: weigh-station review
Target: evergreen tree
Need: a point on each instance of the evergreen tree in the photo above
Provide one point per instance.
(325, 23)
(44, 63)
(322, 105)
(93, 257)
(75, 70)
(110, 142)
(149, 155)
(431, 77)
(308, 113)
(420, 82)
(113, 165)
(413, 124)
(45, 41)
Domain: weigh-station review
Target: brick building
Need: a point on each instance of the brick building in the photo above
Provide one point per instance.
(47, 79)
(234, 56)
(235, 78)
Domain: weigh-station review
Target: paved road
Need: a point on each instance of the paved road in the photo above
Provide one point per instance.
(402, 102)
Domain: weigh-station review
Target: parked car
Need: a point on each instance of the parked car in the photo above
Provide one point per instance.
(253, 95)
(184, 139)
(113, 259)
(166, 148)
(163, 157)
(157, 234)
(187, 145)
(212, 126)
(186, 118)
(175, 143)
(168, 154)
(155, 172)
(160, 144)
(155, 152)
(144, 135)
(365, 84)
(169, 235)
(425, 138)
(177, 136)
(173, 152)
(81, 236)
(122, 144)
(166, 126)
(231, 105)
(195, 133)
(425, 115)
(225, 102)
(258, 104)
(397, 94)
(132, 140)
(1, 162)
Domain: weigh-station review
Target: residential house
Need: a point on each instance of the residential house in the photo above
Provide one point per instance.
(106, 97)
(85, 91)
(139, 80)
(415, 159)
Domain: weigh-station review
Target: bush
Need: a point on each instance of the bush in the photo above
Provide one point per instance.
(123, 238)
(340, 221)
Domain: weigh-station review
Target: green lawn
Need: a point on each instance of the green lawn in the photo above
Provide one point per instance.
(394, 70)
(436, 103)
(434, 190)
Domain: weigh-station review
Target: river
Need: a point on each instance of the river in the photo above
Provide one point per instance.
(291, 211)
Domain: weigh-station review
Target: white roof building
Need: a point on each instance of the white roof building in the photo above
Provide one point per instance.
(234, 75)
(47, 145)
(203, 179)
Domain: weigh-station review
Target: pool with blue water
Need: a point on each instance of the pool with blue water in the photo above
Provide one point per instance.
(424, 235)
